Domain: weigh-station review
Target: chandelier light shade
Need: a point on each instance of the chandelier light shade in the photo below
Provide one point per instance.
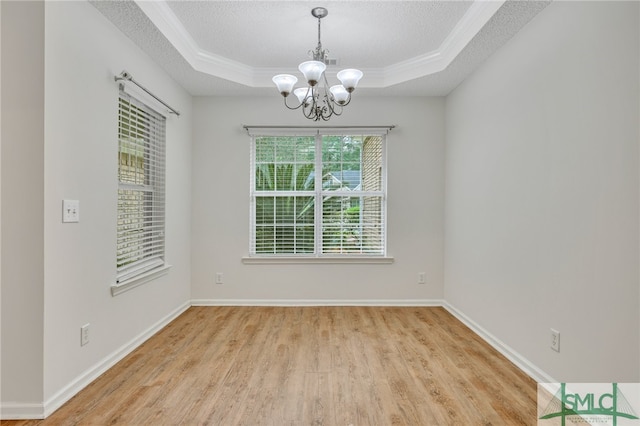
(285, 83)
(340, 94)
(312, 71)
(318, 101)
(349, 79)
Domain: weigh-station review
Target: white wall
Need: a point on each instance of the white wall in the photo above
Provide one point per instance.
(22, 201)
(0, 205)
(83, 53)
(75, 157)
(220, 235)
(542, 192)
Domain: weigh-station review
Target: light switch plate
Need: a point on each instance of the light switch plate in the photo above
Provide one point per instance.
(84, 334)
(70, 211)
(555, 340)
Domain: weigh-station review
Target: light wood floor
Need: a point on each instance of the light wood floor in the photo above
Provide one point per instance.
(307, 366)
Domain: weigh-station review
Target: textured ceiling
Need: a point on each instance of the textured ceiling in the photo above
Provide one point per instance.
(410, 39)
(275, 34)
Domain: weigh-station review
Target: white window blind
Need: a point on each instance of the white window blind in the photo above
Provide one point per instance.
(318, 195)
(141, 189)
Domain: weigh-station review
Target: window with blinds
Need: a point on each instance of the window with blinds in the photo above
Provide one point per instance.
(318, 195)
(141, 189)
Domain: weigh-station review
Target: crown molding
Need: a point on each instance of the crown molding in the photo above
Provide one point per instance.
(430, 63)
(161, 15)
(170, 26)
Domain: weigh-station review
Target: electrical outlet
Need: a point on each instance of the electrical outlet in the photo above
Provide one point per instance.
(84, 334)
(555, 340)
(219, 278)
(422, 278)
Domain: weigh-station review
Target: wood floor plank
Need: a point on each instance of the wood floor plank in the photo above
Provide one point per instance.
(307, 366)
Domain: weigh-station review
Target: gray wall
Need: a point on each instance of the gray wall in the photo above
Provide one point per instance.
(542, 192)
(59, 141)
(22, 177)
(415, 208)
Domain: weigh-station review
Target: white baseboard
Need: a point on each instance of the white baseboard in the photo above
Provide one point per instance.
(21, 411)
(521, 362)
(66, 393)
(317, 302)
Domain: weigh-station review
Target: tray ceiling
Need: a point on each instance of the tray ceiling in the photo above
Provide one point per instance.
(404, 47)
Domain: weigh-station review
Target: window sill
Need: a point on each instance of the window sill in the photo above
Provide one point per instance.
(271, 260)
(132, 283)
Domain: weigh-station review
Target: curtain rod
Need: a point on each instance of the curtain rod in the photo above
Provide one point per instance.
(251, 126)
(124, 75)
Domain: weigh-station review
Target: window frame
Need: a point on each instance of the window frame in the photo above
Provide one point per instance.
(141, 194)
(318, 193)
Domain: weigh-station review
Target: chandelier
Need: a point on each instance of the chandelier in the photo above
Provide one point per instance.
(315, 100)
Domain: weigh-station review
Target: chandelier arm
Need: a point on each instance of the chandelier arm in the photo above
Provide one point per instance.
(319, 107)
(308, 114)
(322, 113)
(287, 105)
(330, 104)
(327, 92)
(313, 113)
(329, 109)
(337, 112)
(315, 104)
(348, 101)
(310, 111)
(333, 111)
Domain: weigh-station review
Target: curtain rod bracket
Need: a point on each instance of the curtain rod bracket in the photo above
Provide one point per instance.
(124, 75)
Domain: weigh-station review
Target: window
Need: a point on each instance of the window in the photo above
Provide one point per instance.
(141, 203)
(319, 195)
